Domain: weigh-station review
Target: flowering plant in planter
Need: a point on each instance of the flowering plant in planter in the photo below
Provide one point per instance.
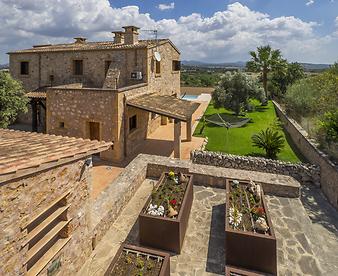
(250, 241)
(167, 198)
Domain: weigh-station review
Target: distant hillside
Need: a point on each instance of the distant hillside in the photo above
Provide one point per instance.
(241, 64)
(4, 66)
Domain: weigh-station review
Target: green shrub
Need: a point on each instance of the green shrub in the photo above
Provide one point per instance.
(270, 141)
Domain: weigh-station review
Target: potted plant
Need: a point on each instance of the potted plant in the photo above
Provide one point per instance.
(139, 261)
(250, 241)
(164, 218)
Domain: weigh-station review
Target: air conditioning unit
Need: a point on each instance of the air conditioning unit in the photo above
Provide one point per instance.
(136, 76)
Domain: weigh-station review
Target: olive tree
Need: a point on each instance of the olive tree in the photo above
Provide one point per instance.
(234, 91)
(12, 99)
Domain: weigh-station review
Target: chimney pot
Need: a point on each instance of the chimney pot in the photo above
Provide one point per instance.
(80, 40)
(131, 35)
(119, 37)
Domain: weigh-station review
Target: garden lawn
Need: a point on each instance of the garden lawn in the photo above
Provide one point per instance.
(238, 140)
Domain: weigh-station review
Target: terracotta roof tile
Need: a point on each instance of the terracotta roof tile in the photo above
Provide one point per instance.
(21, 150)
(89, 46)
(165, 105)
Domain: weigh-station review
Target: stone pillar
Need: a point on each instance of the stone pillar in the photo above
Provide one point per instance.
(177, 139)
(164, 120)
(189, 130)
(34, 115)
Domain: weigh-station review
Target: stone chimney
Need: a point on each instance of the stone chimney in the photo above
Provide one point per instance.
(131, 35)
(80, 40)
(119, 37)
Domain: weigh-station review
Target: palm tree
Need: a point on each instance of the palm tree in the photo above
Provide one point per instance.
(265, 60)
(271, 141)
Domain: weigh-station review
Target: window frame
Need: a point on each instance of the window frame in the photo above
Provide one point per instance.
(75, 73)
(21, 63)
(132, 123)
(158, 68)
(176, 65)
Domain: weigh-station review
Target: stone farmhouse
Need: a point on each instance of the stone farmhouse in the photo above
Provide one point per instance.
(118, 91)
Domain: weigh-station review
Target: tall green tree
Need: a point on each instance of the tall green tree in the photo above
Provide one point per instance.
(234, 91)
(12, 99)
(265, 60)
(286, 75)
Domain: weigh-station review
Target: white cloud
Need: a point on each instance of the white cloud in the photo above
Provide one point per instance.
(163, 7)
(310, 2)
(227, 35)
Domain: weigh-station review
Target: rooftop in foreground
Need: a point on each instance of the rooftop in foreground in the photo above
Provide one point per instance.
(26, 152)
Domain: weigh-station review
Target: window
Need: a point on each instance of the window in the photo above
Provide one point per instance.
(61, 124)
(106, 66)
(132, 123)
(158, 67)
(176, 65)
(24, 68)
(153, 115)
(78, 67)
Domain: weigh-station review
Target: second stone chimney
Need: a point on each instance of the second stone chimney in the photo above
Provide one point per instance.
(119, 37)
(80, 40)
(131, 35)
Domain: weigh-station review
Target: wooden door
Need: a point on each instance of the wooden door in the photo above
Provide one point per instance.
(94, 131)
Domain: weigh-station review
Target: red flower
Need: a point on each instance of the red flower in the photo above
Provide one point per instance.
(173, 202)
(259, 211)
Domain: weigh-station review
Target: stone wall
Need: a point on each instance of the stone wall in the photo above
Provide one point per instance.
(60, 65)
(302, 172)
(329, 171)
(76, 108)
(22, 199)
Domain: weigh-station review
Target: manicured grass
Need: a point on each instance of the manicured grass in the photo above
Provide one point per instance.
(238, 140)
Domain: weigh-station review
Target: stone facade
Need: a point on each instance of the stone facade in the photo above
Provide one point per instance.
(302, 172)
(22, 199)
(329, 171)
(71, 109)
(60, 65)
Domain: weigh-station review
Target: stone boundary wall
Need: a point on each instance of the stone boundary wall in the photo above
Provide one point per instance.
(302, 172)
(329, 171)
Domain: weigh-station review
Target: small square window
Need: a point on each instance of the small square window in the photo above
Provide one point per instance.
(78, 67)
(61, 124)
(24, 68)
(132, 123)
(176, 65)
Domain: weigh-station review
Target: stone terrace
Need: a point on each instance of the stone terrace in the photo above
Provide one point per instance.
(306, 227)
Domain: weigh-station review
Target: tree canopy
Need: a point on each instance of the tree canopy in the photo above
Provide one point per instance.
(234, 91)
(12, 99)
(265, 60)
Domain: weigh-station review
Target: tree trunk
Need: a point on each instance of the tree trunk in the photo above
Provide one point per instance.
(265, 82)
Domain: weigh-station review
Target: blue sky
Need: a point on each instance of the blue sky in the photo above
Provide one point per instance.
(204, 30)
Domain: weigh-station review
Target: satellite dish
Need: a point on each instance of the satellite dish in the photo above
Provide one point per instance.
(157, 56)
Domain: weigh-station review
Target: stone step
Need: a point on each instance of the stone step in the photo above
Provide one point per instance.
(49, 255)
(41, 244)
(45, 223)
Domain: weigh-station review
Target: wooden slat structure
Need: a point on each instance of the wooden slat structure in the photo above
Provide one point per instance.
(23, 153)
(165, 105)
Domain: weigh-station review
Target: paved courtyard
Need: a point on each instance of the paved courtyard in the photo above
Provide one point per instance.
(307, 240)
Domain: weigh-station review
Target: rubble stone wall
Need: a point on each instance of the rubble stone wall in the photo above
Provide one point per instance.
(22, 199)
(300, 171)
(309, 149)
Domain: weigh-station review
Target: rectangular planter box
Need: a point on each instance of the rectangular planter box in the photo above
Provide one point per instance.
(235, 271)
(249, 250)
(165, 268)
(166, 233)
